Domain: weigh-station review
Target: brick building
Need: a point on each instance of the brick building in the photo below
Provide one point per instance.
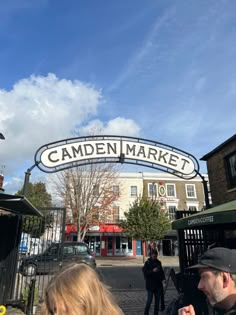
(221, 165)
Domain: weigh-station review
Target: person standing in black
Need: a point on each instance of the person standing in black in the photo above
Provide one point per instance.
(154, 275)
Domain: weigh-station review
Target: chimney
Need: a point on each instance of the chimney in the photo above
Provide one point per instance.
(1, 182)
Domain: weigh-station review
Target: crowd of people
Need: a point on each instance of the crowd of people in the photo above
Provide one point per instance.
(77, 290)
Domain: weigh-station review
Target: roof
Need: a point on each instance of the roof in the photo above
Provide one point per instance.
(219, 147)
(18, 204)
(225, 213)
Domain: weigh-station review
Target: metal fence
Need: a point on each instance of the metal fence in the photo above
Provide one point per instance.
(34, 265)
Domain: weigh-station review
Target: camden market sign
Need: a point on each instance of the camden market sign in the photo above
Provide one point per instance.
(79, 151)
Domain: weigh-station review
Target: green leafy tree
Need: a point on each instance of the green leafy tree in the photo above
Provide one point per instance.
(37, 194)
(146, 221)
(39, 197)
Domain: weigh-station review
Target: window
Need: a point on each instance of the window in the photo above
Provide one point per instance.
(192, 208)
(170, 190)
(190, 191)
(231, 169)
(80, 249)
(95, 190)
(171, 212)
(133, 191)
(68, 250)
(116, 190)
(95, 213)
(152, 190)
(114, 215)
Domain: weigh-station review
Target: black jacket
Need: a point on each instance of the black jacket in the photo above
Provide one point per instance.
(231, 311)
(153, 279)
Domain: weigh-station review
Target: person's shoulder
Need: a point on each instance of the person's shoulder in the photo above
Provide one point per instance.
(232, 311)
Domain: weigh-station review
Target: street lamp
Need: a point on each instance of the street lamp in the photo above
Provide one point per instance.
(1, 176)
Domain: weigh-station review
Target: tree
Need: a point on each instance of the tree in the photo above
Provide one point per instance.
(39, 197)
(146, 220)
(87, 194)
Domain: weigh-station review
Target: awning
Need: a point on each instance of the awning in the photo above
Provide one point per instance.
(18, 204)
(225, 213)
(103, 228)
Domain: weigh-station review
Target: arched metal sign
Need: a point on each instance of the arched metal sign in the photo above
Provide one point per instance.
(60, 155)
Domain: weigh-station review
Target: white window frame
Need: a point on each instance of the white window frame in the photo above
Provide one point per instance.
(135, 193)
(155, 192)
(196, 205)
(170, 196)
(96, 190)
(187, 192)
(231, 169)
(172, 217)
(116, 190)
(115, 220)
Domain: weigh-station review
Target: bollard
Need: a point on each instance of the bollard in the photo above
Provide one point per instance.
(30, 300)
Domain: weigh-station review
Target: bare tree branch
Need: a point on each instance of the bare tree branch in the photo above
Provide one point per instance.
(87, 194)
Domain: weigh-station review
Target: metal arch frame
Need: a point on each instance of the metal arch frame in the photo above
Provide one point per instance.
(119, 159)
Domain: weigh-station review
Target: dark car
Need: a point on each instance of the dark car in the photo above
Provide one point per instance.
(56, 256)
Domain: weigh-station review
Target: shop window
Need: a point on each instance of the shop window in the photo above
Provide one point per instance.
(133, 191)
(231, 169)
(152, 190)
(190, 191)
(170, 190)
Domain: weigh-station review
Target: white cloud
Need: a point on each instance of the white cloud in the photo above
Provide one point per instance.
(41, 109)
(117, 126)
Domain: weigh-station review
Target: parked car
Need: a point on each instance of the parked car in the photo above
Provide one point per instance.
(56, 256)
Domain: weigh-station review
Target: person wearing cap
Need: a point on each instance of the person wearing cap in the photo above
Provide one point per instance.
(154, 275)
(217, 271)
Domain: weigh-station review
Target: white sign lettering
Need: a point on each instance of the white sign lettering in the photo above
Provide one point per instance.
(196, 221)
(95, 149)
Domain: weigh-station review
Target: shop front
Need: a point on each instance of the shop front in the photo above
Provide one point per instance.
(105, 240)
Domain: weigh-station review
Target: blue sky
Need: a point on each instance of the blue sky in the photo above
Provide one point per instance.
(159, 69)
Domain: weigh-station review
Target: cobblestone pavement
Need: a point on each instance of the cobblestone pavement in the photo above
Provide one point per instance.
(132, 302)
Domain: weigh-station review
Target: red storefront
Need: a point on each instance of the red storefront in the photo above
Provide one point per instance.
(105, 240)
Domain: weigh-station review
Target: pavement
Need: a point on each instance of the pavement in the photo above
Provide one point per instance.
(132, 301)
(167, 261)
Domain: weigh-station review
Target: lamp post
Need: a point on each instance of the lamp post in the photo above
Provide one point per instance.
(26, 181)
(1, 175)
(205, 189)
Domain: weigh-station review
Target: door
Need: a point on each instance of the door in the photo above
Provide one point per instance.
(138, 248)
(109, 246)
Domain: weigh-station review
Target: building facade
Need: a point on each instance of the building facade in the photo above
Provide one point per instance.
(172, 192)
(221, 165)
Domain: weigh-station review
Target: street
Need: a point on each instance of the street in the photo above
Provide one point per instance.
(128, 286)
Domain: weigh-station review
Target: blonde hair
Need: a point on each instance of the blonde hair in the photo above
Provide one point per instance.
(78, 291)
